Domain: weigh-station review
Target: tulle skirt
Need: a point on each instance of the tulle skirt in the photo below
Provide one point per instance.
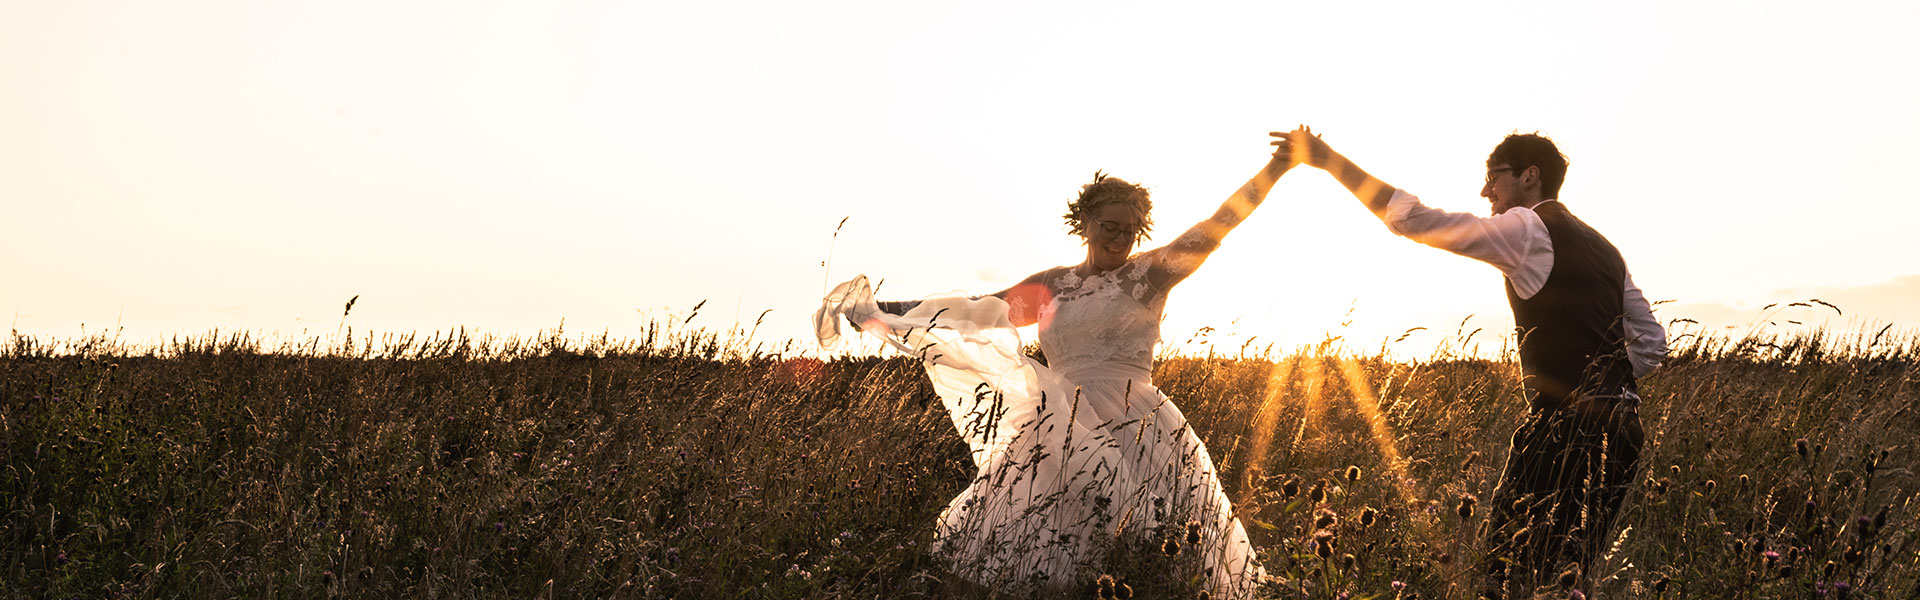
(1068, 466)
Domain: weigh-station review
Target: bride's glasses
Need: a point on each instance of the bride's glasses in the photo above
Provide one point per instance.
(1112, 229)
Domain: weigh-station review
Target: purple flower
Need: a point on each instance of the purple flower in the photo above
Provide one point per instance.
(1576, 595)
(1399, 585)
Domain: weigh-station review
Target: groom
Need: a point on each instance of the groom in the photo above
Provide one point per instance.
(1586, 333)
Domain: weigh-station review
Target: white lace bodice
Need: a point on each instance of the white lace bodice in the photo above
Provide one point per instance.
(1105, 326)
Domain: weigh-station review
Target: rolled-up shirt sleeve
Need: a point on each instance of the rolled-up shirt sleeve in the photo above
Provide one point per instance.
(1515, 241)
(1646, 339)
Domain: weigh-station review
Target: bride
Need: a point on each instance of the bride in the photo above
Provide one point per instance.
(1074, 455)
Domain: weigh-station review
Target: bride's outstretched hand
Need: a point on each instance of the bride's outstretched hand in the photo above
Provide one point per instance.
(1302, 146)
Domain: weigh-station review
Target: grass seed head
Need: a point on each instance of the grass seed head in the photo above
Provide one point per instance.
(1353, 473)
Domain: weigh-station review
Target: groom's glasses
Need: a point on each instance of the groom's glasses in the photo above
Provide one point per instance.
(1490, 172)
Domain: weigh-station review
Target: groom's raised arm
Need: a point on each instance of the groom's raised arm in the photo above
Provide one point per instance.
(1303, 147)
(1514, 242)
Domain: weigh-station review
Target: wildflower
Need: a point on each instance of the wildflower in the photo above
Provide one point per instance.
(1570, 576)
(1105, 584)
(1326, 519)
(1323, 544)
(1854, 555)
(1123, 591)
(1709, 485)
(1466, 506)
(1660, 585)
(1800, 447)
(1347, 561)
(1745, 481)
(1576, 595)
(1193, 533)
(1840, 589)
(1319, 493)
(1771, 557)
(1291, 488)
(1205, 595)
(1171, 547)
(61, 558)
(1827, 570)
(1353, 473)
(1399, 585)
(1521, 537)
(1880, 518)
(1368, 516)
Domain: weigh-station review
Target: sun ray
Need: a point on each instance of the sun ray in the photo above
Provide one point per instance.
(1264, 421)
(1384, 439)
(1315, 404)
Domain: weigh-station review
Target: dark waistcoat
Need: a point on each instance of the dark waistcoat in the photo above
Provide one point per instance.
(1572, 339)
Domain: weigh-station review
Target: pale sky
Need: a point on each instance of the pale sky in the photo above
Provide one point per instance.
(172, 168)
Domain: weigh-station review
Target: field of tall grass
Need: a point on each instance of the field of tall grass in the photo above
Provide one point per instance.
(685, 464)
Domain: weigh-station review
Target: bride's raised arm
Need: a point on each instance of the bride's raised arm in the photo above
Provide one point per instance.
(1173, 262)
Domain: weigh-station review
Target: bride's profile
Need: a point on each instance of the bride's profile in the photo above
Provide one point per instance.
(1084, 452)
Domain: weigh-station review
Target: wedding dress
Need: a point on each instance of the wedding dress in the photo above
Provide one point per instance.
(1072, 456)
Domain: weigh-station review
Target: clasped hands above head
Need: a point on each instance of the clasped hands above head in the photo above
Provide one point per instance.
(1302, 147)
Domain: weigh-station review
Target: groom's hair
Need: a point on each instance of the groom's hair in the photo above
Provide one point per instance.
(1522, 150)
(1104, 190)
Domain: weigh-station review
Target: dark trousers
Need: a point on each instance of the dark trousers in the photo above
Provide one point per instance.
(1566, 477)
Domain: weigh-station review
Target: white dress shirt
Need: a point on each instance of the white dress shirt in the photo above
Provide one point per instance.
(1516, 242)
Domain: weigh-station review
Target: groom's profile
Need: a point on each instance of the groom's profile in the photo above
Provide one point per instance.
(1585, 331)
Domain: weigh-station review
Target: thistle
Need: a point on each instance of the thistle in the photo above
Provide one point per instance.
(1571, 576)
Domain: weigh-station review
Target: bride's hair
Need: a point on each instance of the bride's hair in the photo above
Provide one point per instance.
(1106, 190)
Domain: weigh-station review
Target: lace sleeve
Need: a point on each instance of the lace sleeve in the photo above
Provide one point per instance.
(1170, 264)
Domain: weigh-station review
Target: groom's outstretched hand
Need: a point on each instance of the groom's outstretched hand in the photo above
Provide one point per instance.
(1303, 147)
